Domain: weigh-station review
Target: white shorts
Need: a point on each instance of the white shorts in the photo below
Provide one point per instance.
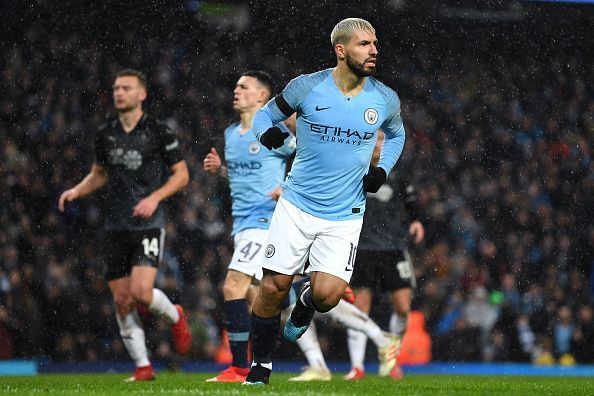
(249, 249)
(294, 236)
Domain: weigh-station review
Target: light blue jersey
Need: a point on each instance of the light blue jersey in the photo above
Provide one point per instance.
(253, 173)
(336, 136)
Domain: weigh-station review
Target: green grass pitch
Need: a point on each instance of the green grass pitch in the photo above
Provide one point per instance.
(193, 384)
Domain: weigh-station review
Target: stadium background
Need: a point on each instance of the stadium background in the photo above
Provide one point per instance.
(498, 103)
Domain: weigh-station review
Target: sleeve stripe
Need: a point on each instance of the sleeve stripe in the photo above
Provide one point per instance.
(283, 106)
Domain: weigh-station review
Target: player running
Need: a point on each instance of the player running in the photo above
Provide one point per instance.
(255, 176)
(131, 152)
(319, 214)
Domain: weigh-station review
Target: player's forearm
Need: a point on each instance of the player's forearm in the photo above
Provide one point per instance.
(266, 117)
(178, 180)
(96, 179)
(391, 150)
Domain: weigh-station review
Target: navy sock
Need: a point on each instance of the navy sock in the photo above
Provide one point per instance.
(264, 335)
(237, 322)
(291, 297)
(304, 310)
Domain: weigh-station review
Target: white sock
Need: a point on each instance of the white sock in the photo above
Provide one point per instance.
(398, 324)
(357, 343)
(133, 338)
(310, 346)
(349, 316)
(162, 306)
(353, 318)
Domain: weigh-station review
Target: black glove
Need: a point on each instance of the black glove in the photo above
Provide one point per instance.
(374, 179)
(273, 138)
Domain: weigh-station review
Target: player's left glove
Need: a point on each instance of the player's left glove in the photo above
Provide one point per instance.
(273, 138)
(374, 179)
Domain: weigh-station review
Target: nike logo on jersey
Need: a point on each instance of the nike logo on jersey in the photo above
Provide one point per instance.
(318, 108)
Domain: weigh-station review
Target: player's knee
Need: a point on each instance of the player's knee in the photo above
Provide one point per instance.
(122, 301)
(231, 290)
(269, 290)
(402, 308)
(228, 288)
(142, 295)
(325, 300)
(402, 311)
(273, 291)
(363, 301)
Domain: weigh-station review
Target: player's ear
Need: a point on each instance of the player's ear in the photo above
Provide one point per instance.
(143, 94)
(263, 95)
(340, 51)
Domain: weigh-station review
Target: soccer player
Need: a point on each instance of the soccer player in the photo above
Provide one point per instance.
(255, 175)
(131, 152)
(320, 212)
(383, 262)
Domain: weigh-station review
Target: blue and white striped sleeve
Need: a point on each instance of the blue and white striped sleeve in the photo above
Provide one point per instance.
(393, 129)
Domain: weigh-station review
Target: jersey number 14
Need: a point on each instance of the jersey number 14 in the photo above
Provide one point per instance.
(151, 247)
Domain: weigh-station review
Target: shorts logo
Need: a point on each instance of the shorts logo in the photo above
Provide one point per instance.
(254, 148)
(269, 252)
(371, 116)
(352, 254)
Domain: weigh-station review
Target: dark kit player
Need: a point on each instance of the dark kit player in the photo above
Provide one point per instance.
(383, 263)
(131, 153)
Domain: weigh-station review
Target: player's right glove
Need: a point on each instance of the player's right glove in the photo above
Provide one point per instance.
(273, 138)
(374, 179)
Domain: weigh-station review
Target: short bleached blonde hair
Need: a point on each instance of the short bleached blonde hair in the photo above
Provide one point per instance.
(344, 29)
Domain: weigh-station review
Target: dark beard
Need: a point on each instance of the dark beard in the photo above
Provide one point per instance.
(358, 69)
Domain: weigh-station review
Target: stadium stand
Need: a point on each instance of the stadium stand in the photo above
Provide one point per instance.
(500, 128)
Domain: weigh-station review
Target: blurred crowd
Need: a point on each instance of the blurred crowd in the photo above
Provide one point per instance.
(500, 148)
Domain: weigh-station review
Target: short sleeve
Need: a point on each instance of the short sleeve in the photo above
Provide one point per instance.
(170, 146)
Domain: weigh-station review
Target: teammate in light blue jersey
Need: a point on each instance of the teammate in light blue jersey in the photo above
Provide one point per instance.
(255, 175)
(319, 214)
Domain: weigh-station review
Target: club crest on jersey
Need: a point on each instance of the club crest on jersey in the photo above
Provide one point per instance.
(254, 148)
(131, 159)
(269, 252)
(371, 116)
